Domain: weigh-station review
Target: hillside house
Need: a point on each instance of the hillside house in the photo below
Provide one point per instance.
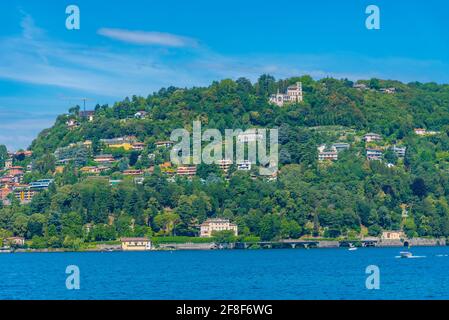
(72, 124)
(8, 163)
(244, 165)
(388, 90)
(104, 158)
(140, 115)
(94, 169)
(5, 191)
(121, 142)
(225, 164)
(327, 154)
(374, 154)
(341, 146)
(294, 94)
(371, 137)
(138, 146)
(133, 172)
(15, 241)
(249, 136)
(42, 184)
(399, 151)
(360, 86)
(188, 171)
(24, 194)
(164, 144)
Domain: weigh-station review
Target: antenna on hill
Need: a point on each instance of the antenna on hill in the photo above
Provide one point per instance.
(79, 99)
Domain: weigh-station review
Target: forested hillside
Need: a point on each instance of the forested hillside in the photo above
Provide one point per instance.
(350, 197)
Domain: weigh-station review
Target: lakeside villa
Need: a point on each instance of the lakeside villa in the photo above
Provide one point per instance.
(392, 235)
(217, 224)
(135, 244)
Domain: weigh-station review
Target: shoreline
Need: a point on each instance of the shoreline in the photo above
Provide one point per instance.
(296, 245)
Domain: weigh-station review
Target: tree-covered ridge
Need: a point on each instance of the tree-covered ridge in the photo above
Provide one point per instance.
(349, 197)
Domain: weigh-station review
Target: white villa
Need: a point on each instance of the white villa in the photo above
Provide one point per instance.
(325, 153)
(218, 224)
(250, 135)
(244, 165)
(294, 94)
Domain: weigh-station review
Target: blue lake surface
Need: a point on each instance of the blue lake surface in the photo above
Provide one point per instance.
(232, 274)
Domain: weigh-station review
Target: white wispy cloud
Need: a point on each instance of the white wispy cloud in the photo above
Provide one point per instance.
(148, 38)
(162, 60)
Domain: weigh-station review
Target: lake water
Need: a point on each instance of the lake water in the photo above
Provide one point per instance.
(233, 274)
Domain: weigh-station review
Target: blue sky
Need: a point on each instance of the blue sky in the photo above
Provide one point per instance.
(136, 47)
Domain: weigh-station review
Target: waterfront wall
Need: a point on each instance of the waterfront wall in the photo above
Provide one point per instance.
(414, 242)
(187, 246)
(328, 244)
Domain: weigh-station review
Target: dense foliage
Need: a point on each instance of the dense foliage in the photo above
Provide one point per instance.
(350, 197)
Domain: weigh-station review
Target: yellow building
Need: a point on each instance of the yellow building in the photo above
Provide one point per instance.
(211, 225)
(126, 146)
(135, 244)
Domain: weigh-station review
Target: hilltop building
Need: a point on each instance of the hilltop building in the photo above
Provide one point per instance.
(88, 115)
(391, 90)
(217, 224)
(294, 94)
(360, 86)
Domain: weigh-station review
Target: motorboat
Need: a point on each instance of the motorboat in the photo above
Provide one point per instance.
(405, 254)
